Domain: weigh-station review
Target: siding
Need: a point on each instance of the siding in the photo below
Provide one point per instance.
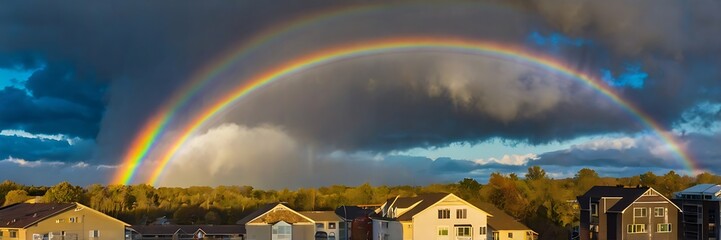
(88, 220)
(426, 223)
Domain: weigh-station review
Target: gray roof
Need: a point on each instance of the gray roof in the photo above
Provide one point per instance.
(260, 211)
(23, 215)
(500, 220)
(352, 212)
(426, 200)
(322, 216)
(702, 189)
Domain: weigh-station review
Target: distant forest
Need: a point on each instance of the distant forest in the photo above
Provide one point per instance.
(542, 203)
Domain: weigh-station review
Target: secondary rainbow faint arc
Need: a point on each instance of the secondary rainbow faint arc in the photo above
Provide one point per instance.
(409, 44)
(157, 124)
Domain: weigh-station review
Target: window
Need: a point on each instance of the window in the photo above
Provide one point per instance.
(384, 224)
(464, 231)
(443, 231)
(659, 211)
(13, 233)
(482, 230)
(663, 227)
(320, 225)
(331, 225)
(62, 220)
(636, 228)
(444, 213)
(639, 212)
(73, 219)
(594, 209)
(461, 213)
(510, 235)
(94, 233)
(282, 231)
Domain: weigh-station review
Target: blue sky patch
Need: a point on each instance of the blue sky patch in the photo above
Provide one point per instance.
(555, 40)
(633, 77)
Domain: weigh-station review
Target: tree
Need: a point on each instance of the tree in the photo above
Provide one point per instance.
(469, 188)
(585, 179)
(64, 192)
(535, 173)
(16, 196)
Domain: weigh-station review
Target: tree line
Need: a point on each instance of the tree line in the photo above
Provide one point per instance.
(541, 202)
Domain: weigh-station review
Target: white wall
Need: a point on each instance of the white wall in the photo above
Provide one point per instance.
(426, 223)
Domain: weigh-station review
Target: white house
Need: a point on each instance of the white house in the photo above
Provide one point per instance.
(326, 222)
(438, 216)
(278, 222)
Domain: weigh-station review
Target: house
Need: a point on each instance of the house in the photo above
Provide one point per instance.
(356, 224)
(701, 205)
(618, 212)
(277, 221)
(37, 221)
(429, 216)
(502, 226)
(326, 223)
(173, 232)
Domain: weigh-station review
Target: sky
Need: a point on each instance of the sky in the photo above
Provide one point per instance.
(79, 80)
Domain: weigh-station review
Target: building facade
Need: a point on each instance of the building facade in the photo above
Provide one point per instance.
(278, 222)
(67, 221)
(701, 206)
(429, 216)
(627, 213)
(502, 226)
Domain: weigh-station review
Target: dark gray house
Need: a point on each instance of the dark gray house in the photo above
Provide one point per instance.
(627, 213)
(701, 208)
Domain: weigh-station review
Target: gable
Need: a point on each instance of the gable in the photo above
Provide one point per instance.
(280, 213)
(448, 200)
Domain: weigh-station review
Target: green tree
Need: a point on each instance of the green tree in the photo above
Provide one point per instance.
(16, 196)
(64, 192)
(535, 173)
(585, 179)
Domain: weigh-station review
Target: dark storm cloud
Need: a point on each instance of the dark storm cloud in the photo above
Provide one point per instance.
(33, 149)
(108, 67)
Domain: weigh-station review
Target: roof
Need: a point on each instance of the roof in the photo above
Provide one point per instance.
(189, 229)
(352, 212)
(260, 211)
(23, 215)
(322, 216)
(614, 191)
(702, 189)
(426, 200)
(501, 220)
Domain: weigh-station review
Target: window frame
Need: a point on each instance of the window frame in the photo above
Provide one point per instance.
(469, 228)
(461, 213)
(655, 211)
(320, 225)
(444, 213)
(594, 209)
(331, 225)
(440, 228)
(483, 230)
(636, 228)
(643, 210)
(510, 235)
(13, 233)
(669, 228)
(94, 233)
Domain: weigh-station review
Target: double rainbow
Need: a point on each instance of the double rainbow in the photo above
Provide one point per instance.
(374, 47)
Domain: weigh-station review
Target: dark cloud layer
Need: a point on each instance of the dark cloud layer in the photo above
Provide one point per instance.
(104, 69)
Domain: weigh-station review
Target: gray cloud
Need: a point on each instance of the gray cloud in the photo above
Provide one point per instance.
(124, 61)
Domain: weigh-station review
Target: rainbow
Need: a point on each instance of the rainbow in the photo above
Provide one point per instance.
(405, 44)
(145, 139)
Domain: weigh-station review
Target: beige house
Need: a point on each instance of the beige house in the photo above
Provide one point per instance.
(68, 221)
(504, 227)
(440, 216)
(327, 223)
(278, 222)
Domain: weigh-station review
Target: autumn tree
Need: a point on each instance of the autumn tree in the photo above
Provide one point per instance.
(64, 192)
(16, 196)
